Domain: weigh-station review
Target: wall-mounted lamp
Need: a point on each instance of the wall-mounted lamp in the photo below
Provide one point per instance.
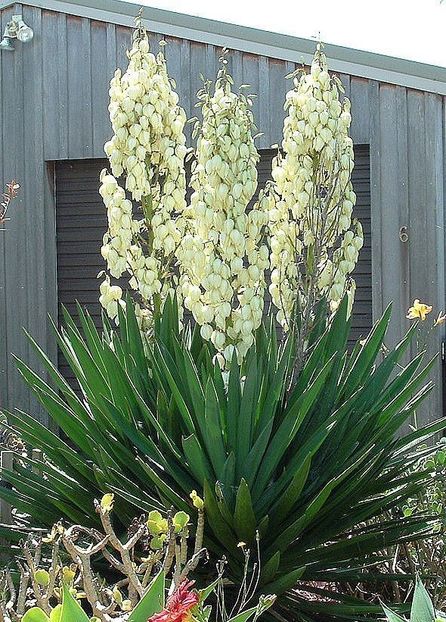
(15, 29)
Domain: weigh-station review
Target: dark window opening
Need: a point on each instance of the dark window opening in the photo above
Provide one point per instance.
(82, 222)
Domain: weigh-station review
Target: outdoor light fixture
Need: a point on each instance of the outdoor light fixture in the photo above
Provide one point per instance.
(15, 29)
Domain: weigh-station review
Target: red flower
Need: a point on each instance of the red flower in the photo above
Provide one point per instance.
(178, 605)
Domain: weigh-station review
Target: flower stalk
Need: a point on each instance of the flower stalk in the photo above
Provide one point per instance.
(314, 239)
(214, 250)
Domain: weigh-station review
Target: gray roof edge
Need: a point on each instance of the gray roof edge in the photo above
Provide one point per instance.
(360, 63)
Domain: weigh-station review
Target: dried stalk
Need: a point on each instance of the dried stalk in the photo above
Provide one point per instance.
(12, 189)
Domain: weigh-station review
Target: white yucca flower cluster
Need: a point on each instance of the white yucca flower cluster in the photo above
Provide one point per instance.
(214, 252)
(314, 242)
(223, 257)
(148, 147)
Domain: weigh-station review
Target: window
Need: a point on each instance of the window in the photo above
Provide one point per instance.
(81, 223)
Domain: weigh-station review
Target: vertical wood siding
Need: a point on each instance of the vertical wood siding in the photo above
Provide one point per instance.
(53, 106)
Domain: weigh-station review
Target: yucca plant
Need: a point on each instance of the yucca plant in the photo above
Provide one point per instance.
(306, 464)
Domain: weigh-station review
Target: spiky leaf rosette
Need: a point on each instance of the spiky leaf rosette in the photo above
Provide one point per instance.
(314, 469)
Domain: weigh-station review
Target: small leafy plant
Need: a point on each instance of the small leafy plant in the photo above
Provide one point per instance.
(183, 604)
(153, 561)
(428, 556)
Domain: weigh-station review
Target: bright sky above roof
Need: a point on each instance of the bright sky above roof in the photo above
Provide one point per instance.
(412, 29)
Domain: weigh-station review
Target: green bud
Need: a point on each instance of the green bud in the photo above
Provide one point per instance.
(196, 500)
(42, 577)
(156, 524)
(180, 520)
(126, 605)
(107, 503)
(117, 596)
(68, 574)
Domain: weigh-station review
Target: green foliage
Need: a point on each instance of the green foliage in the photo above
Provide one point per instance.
(310, 462)
(68, 611)
(35, 614)
(427, 557)
(135, 584)
(153, 600)
(71, 610)
(422, 609)
(433, 498)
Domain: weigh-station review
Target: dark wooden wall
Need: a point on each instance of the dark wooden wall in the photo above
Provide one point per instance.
(53, 106)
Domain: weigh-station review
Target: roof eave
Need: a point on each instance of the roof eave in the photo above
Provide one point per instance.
(369, 65)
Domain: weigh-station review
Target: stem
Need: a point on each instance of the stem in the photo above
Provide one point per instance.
(123, 551)
(199, 533)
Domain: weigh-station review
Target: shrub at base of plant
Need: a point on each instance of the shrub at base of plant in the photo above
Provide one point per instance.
(184, 605)
(59, 571)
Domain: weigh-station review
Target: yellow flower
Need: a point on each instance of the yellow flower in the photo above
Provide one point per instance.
(418, 310)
